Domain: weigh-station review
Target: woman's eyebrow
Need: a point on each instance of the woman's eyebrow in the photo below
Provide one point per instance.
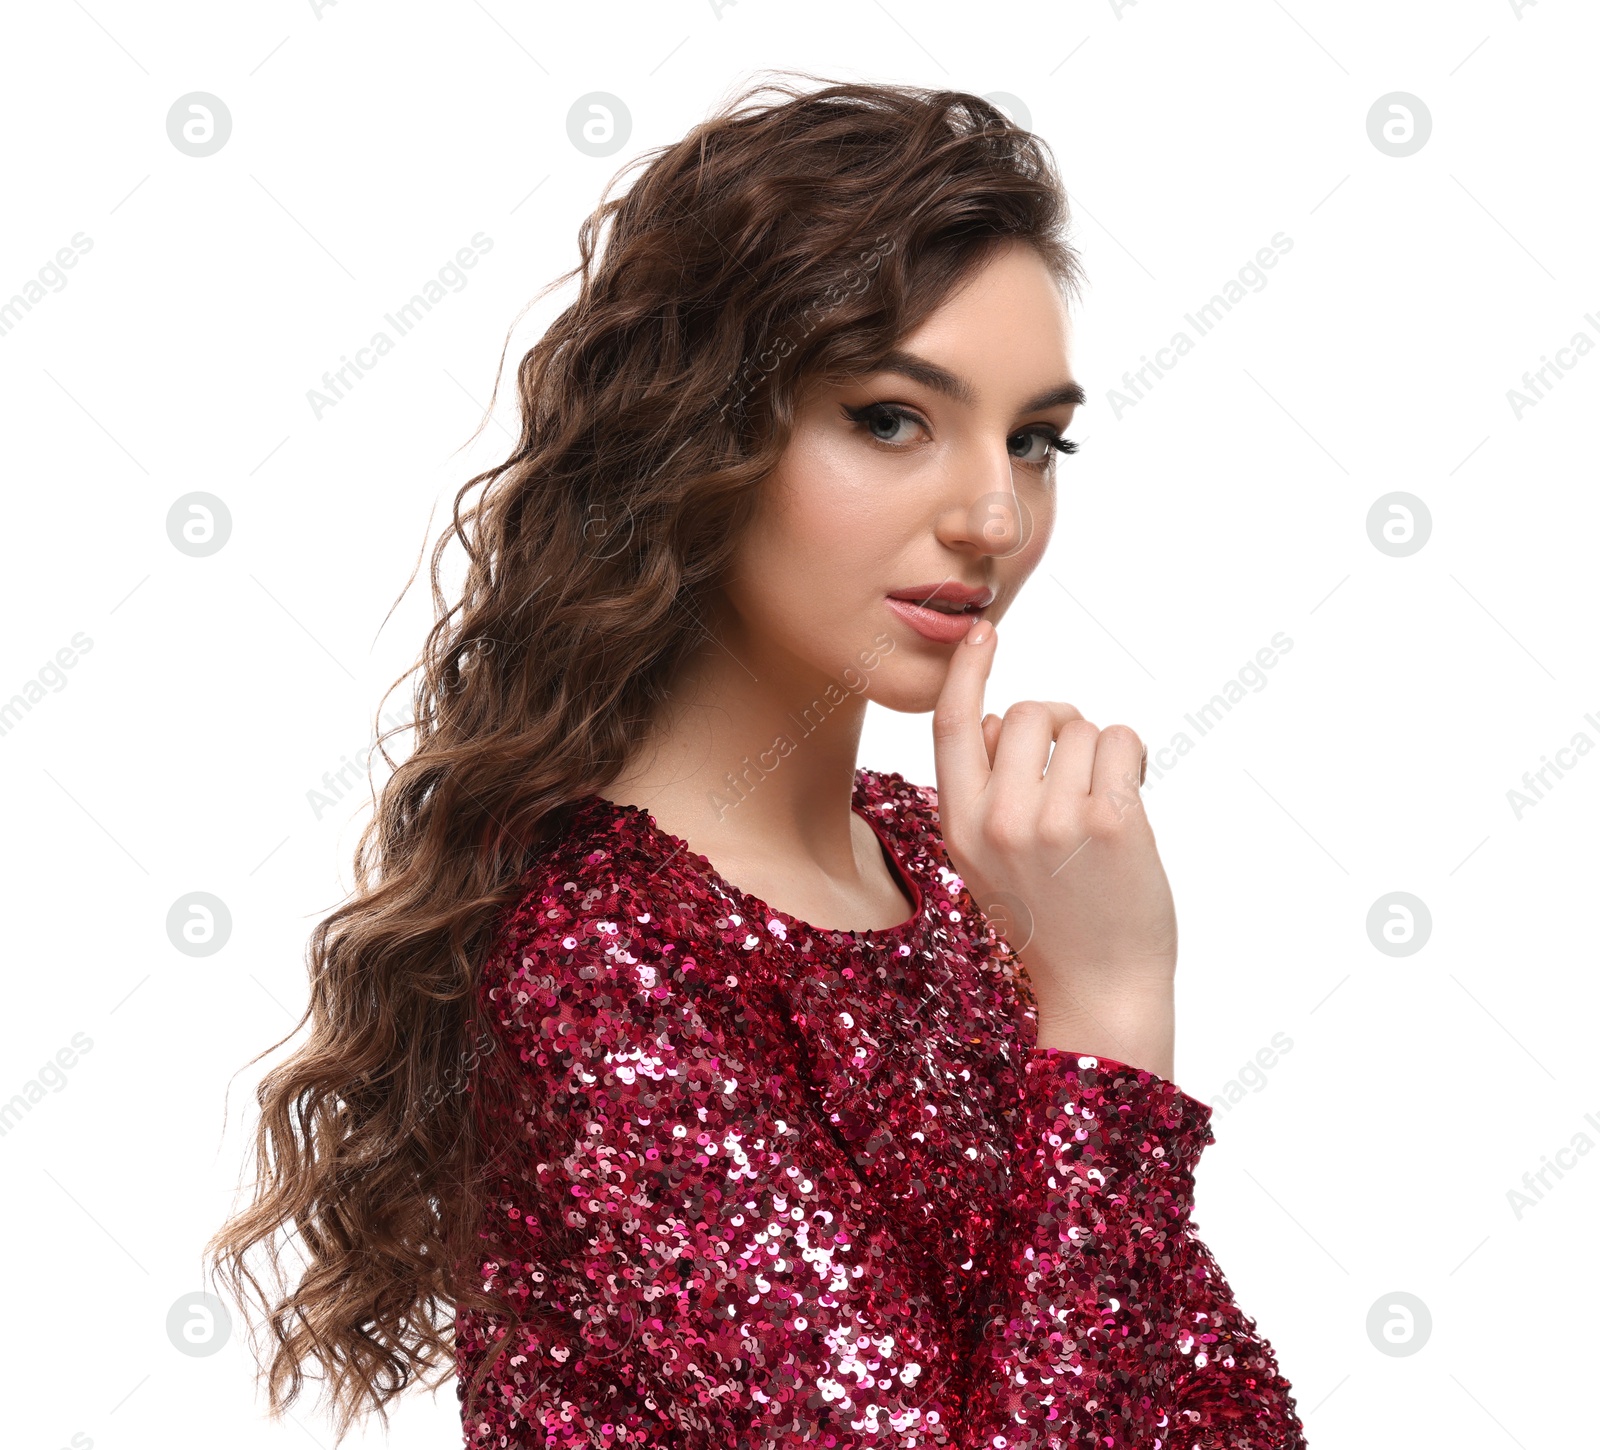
(942, 380)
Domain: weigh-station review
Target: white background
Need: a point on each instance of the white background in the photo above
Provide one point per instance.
(370, 143)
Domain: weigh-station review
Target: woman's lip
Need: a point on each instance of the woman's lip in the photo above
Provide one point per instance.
(931, 623)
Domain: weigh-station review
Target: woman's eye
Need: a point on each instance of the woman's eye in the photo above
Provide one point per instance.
(1040, 445)
(1033, 447)
(883, 421)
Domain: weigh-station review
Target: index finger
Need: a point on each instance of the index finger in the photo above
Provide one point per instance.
(960, 757)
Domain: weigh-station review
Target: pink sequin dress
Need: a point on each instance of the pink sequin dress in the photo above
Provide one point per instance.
(768, 1185)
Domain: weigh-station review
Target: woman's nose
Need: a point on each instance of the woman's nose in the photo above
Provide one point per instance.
(989, 515)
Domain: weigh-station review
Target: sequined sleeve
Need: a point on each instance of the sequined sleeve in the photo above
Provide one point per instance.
(1108, 1323)
(709, 1273)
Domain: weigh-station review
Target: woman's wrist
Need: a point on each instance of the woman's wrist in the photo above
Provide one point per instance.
(1137, 1027)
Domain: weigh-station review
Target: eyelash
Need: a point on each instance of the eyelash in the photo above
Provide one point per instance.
(861, 416)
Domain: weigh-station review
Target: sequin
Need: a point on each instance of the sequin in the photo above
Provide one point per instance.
(774, 1185)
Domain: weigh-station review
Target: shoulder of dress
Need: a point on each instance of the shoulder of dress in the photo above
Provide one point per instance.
(601, 893)
(907, 812)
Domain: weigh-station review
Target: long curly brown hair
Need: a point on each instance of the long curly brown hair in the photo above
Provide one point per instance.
(779, 244)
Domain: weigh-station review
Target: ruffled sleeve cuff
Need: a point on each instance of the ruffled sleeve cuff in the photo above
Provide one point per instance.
(1105, 1120)
(1103, 1324)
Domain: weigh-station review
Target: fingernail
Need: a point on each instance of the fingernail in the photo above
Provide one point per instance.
(980, 632)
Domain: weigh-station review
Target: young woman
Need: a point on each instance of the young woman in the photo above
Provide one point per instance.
(672, 1080)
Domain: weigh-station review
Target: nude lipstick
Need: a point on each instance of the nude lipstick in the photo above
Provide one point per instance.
(917, 607)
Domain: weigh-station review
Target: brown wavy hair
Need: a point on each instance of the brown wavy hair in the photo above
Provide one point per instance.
(779, 244)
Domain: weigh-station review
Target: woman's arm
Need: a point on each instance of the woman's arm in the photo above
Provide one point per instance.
(719, 1275)
(1231, 1385)
(1107, 1323)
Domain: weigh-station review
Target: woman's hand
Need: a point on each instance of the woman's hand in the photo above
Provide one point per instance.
(1062, 859)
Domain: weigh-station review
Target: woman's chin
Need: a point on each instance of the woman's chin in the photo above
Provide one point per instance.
(912, 691)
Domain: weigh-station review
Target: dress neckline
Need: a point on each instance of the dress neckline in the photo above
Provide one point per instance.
(753, 907)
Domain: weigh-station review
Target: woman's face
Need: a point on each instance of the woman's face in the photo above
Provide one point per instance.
(934, 471)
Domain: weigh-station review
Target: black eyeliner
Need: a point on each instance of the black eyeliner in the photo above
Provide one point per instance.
(859, 414)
